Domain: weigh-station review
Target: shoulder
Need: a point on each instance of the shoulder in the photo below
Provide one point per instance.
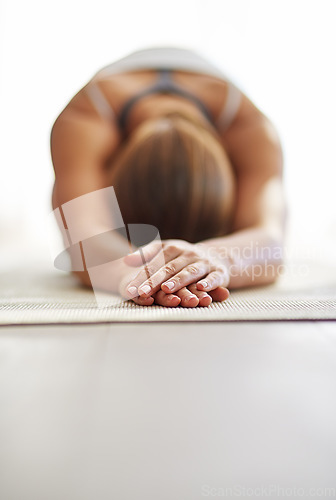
(249, 122)
(78, 137)
(82, 117)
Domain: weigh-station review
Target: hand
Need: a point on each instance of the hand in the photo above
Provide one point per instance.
(176, 272)
(186, 297)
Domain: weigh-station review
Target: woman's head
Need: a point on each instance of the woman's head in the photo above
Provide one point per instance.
(173, 173)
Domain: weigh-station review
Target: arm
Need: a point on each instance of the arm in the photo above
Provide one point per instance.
(251, 256)
(253, 252)
(81, 143)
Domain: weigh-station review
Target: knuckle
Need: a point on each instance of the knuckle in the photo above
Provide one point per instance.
(177, 279)
(150, 270)
(150, 282)
(170, 268)
(216, 276)
(189, 254)
(192, 269)
(183, 275)
(147, 281)
(170, 249)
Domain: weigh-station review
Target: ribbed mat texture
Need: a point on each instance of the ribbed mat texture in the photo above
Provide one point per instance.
(54, 297)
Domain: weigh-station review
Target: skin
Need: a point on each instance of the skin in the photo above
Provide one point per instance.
(185, 263)
(82, 142)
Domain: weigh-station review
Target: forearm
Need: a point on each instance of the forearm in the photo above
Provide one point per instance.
(111, 277)
(253, 256)
(97, 259)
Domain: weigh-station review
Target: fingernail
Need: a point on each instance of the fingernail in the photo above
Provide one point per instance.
(204, 284)
(173, 297)
(191, 297)
(170, 285)
(145, 289)
(132, 290)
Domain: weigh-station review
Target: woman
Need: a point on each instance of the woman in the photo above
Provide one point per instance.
(187, 152)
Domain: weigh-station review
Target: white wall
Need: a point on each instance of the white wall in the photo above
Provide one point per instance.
(281, 52)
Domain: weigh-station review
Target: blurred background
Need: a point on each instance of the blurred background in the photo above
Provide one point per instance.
(280, 52)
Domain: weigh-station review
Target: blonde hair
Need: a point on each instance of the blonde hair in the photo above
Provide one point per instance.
(173, 173)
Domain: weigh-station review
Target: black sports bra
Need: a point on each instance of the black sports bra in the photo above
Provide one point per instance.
(163, 85)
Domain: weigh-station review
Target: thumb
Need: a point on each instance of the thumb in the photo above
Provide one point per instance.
(134, 259)
(143, 254)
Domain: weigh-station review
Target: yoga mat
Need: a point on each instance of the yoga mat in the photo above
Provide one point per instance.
(305, 290)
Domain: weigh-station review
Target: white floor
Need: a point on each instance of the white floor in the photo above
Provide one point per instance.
(168, 411)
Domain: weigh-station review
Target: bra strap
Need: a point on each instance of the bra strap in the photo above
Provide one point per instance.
(163, 85)
(99, 102)
(230, 108)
